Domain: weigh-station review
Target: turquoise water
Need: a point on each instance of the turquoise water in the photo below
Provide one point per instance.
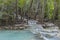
(15, 35)
(21, 35)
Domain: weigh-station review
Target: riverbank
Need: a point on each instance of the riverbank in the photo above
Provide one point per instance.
(14, 27)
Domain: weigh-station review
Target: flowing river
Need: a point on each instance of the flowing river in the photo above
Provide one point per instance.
(41, 33)
(34, 32)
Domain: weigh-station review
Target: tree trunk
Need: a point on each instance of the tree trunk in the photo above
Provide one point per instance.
(29, 9)
(16, 10)
(55, 7)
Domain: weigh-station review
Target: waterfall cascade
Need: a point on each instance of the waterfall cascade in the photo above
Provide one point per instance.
(38, 29)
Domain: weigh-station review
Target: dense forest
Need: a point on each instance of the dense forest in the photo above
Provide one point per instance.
(16, 11)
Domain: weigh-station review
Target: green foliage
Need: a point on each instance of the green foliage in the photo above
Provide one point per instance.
(49, 9)
(21, 3)
(25, 4)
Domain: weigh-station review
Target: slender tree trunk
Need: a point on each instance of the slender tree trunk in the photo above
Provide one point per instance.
(29, 9)
(16, 10)
(43, 11)
(59, 11)
(55, 7)
(21, 14)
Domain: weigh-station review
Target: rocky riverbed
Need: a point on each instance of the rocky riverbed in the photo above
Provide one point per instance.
(52, 32)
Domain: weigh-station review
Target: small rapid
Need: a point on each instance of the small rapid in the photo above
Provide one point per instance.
(40, 32)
